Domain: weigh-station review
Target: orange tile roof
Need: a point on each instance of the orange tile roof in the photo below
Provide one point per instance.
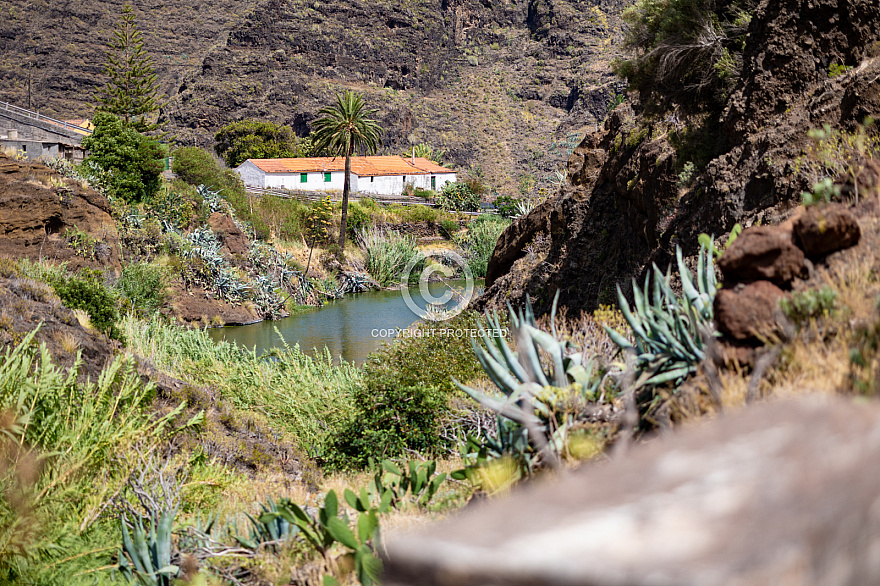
(361, 166)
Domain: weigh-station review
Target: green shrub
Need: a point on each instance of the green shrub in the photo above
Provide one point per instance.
(86, 291)
(479, 241)
(459, 197)
(133, 162)
(142, 288)
(196, 166)
(402, 404)
(686, 52)
(418, 213)
(255, 139)
(806, 305)
(507, 206)
(448, 228)
(287, 217)
(357, 220)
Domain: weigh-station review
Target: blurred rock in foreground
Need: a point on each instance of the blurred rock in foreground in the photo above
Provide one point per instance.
(781, 493)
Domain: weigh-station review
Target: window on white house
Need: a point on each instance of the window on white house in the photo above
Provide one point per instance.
(326, 177)
(433, 182)
(303, 177)
(371, 178)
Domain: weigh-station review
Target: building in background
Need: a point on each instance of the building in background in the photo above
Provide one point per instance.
(379, 175)
(35, 136)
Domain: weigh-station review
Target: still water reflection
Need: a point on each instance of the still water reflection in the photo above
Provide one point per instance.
(349, 328)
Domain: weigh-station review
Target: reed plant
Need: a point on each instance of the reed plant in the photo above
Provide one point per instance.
(388, 253)
(479, 241)
(60, 442)
(303, 395)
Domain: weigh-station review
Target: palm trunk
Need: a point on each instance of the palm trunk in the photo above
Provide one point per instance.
(346, 187)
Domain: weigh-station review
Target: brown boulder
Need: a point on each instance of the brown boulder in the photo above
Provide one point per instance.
(233, 239)
(762, 253)
(824, 229)
(746, 312)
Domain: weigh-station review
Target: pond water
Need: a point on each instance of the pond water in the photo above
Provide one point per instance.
(350, 328)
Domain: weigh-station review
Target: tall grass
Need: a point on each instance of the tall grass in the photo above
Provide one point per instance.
(479, 241)
(303, 395)
(387, 254)
(60, 439)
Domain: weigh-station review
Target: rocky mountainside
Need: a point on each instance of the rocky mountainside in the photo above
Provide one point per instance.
(507, 88)
(628, 203)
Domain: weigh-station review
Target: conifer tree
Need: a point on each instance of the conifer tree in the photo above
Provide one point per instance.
(132, 93)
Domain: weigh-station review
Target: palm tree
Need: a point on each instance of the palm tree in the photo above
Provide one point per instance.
(346, 127)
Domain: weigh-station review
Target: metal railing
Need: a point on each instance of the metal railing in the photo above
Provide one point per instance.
(39, 117)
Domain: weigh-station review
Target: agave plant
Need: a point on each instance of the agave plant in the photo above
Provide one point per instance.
(270, 528)
(535, 394)
(668, 329)
(145, 556)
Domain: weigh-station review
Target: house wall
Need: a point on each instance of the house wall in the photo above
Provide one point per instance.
(381, 185)
(314, 181)
(251, 175)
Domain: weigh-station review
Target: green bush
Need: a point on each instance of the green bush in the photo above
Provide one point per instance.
(86, 291)
(507, 206)
(479, 241)
(132, 161)
(448, 228)
(402, 404)
(358, 219)
(288, 218)
(142, 288)
(803, 306)
(255, 139)
(417, 214)
(459, 197)
(198, 167)
(686, 52)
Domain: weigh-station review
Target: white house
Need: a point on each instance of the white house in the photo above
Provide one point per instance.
(382, 175)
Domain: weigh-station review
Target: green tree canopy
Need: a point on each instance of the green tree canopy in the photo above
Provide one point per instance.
(132, 93)
(344, 129)
(254, 139)
(135, 161)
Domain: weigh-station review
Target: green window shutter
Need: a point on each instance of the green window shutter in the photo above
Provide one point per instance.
(433, 182)
(326, 177)
(303, 177)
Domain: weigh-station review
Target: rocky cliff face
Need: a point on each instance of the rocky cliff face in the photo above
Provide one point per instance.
(626, 205)
(507, 88)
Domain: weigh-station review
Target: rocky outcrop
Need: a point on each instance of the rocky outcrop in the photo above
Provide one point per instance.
(634, 204)
(40, 210)
(235, 242)
(776, 494)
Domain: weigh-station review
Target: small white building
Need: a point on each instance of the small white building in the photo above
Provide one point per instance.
(381, 175)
